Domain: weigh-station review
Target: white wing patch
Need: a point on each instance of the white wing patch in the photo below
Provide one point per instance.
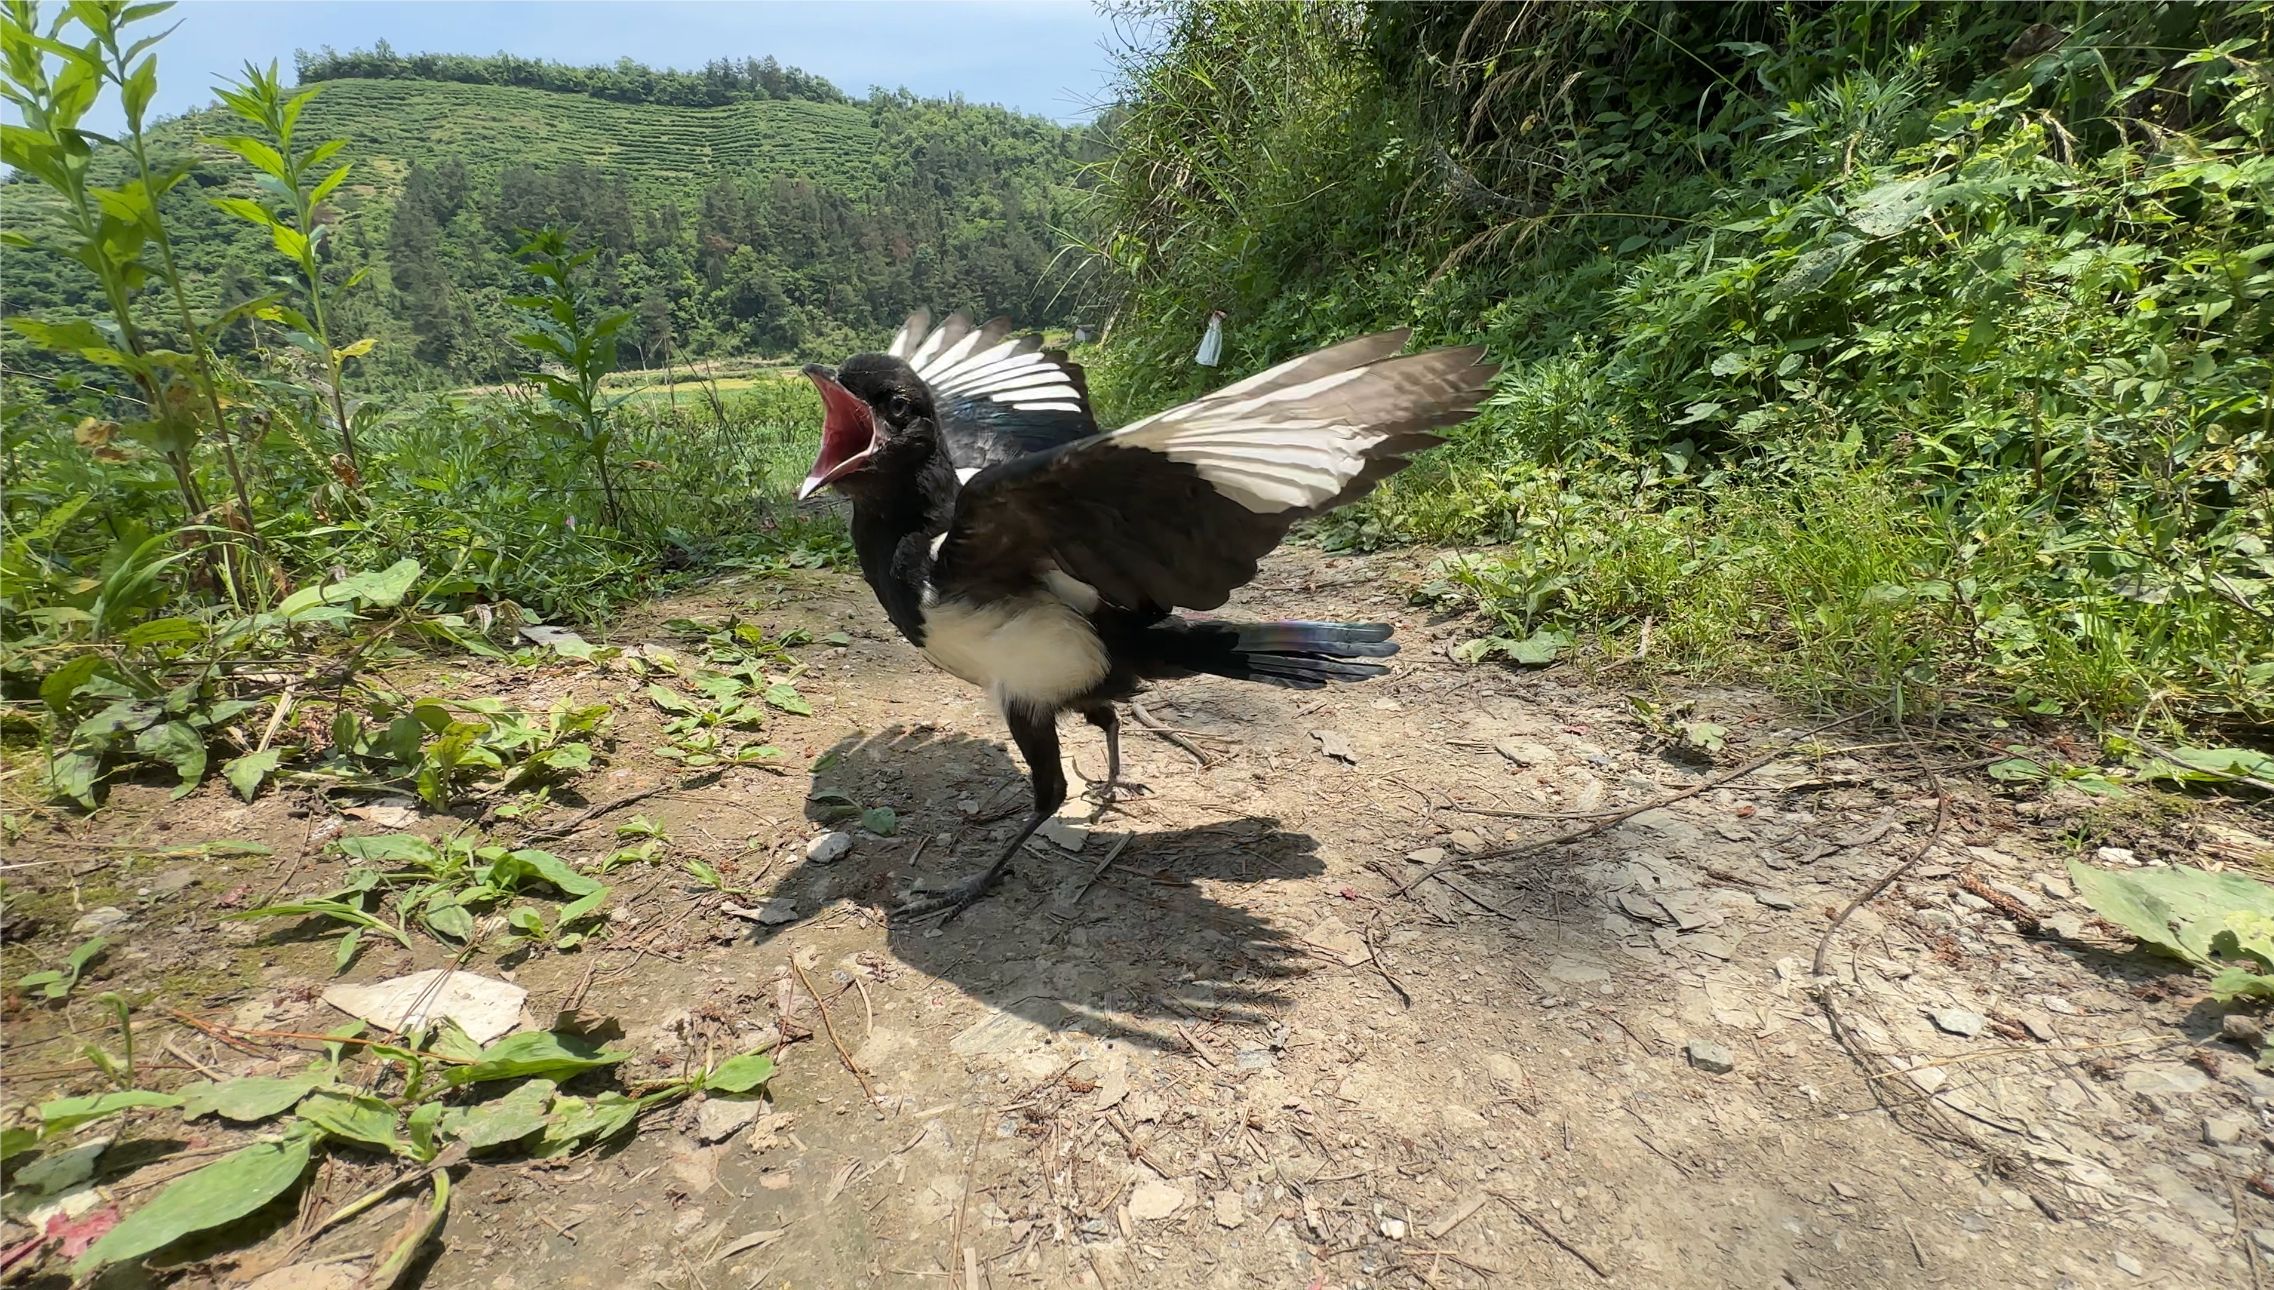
(1284, 449)
(960, 361)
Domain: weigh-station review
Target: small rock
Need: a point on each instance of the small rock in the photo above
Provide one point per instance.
(2165, 1079)
(1064, 835)
(1575, 972)
(1968, 900)
(2068, 927)
(1710, 1057)
(723, 1115)
(2116, 855)
(1154, 1199)
(2021, 896)
(1642, 907)
(829, 848)
(2038, 1027)
(2224, 1130)
(1339, 939)
(1467, 840)
(1229, 1214)
(1524, 753)
(1958, 1021)
(1776, 899)
(1393, 1229)
(2125, 1262)
(1426, 855)
(2241, 1028)
(1936, 920)
(1254, 1059)
(98, 921)
(1689, 913)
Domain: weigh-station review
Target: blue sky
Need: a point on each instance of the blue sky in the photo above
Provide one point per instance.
(1048, 57)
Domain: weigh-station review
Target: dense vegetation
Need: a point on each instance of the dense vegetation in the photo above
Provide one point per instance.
(212, 501)
(742, 210)
(1886, 352)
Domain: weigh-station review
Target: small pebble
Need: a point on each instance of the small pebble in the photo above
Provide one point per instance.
(2224, 1130)
(1776, 899)
(1393, 1228)
(1958, 1021)
(2126, 1263)
(829, 847)
(95, 922)
(1710, 1057)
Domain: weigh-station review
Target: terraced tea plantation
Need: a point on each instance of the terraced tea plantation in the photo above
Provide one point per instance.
(393, 123)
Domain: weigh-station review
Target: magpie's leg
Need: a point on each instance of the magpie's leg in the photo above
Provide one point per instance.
(1106, 718)
(1036, 733)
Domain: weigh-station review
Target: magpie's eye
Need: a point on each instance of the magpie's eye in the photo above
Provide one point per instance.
(896, 406)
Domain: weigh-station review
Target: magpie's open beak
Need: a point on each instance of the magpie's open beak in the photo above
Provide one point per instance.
(848, 432)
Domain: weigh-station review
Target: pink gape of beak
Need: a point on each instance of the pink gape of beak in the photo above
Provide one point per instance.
(848, 432)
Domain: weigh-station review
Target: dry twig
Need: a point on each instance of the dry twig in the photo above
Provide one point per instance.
(1560, 1243)
(831, 1029)
(1153, 723)
(1818, 965)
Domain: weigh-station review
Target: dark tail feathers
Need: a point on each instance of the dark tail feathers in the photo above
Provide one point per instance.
(1300, 655)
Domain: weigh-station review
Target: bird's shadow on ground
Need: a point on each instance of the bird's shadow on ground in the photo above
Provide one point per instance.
(1133, 954)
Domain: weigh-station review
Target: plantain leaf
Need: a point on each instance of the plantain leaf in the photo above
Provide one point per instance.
(67, 1113)
(247, 1099)
(538, 1053)
(222, 1192)
(740, 1074)
(356, 1117)
(501, 1120)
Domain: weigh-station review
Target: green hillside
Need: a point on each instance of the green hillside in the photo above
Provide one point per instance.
(661, 150)
(769, 226)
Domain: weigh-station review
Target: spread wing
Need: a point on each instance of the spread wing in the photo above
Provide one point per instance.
(1175, 510)
(998, 396)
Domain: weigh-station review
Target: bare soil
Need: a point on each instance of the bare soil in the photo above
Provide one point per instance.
(1234, 1035)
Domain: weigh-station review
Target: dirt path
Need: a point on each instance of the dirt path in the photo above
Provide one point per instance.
(1216, 1046)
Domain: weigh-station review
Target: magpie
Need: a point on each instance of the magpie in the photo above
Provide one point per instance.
(1026, 552)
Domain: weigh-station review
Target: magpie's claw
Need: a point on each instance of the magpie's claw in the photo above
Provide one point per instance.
(951, 900)
(1106, 794)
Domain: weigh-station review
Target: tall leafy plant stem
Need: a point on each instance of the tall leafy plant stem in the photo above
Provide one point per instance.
(259, 99)
(135, 86)
(54, 108)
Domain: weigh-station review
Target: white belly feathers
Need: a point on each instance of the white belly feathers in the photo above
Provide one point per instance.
(1034, 650)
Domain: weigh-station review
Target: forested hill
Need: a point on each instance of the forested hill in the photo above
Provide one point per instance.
(746, 209)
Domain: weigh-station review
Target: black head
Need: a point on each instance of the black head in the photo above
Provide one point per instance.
(873, 408)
